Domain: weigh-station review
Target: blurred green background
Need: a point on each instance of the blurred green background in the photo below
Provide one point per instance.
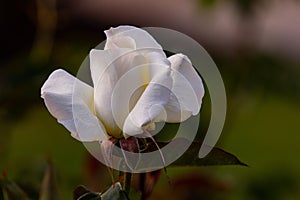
(255, 44)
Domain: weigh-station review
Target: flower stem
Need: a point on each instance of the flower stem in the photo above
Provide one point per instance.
(127, 182)
(142, 185)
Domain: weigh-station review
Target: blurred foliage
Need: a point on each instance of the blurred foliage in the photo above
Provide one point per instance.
(11, 190)
(280, 180)
(47, 190)
(244, 5)
(207, 3)
(257, 72)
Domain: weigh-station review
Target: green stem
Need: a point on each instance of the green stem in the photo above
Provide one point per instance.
(127, 182)
(142, 185)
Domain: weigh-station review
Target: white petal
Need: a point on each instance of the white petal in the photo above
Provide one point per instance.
(150, 104)
(187, 90)
(106, 68)
(120, 42)
(132, 84)
(142, 39)
(128, 68)
(70, 101)
(102, 60)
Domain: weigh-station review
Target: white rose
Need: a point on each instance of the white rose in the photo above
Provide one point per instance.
(134, 86)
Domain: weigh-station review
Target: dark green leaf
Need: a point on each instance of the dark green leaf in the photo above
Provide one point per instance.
(49, 189)
(90, 196)
(187, 154)
(190, 157)
(80, 191)
(115, 192)
(217, 156)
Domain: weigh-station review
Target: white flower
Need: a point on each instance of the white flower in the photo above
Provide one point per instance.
(134, 86)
